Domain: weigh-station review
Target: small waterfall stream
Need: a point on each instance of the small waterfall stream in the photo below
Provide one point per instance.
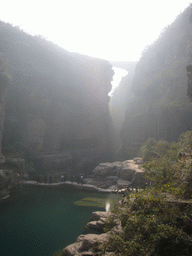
(107, 206)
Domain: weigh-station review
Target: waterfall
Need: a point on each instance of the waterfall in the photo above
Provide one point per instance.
(107, 206)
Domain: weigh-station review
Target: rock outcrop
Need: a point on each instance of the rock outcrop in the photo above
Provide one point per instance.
(120, 174)
(85, 245)
(98, 220)
(90, 244)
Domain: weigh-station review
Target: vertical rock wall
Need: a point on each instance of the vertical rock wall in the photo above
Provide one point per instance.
(57, 101)
(3, 88)
(159, 108)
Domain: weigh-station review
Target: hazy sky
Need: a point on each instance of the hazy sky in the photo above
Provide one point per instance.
(108, 29)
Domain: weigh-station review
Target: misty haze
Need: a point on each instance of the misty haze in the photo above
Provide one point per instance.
(96, 146)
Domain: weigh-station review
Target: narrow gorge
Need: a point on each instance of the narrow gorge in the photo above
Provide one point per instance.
(63, 126)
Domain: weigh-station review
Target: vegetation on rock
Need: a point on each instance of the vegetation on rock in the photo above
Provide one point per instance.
(157, 221)
(159, 107)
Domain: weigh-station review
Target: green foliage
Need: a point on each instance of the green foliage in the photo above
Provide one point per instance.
(152, 148)
(167, 171)
(184, 142)
(158, 221)
(110, 222)
(147, 150)
(149, 223)
(161, 148)
(161, 171)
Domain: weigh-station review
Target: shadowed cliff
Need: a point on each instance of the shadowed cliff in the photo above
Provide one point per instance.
(122, 94)
(5, 79)
(57, 101)
(159, 107)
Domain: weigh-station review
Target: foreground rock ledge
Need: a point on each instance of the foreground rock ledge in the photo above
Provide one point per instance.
(89, 243)
(84, 245)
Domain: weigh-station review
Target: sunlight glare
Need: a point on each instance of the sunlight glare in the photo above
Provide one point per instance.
(109, 29)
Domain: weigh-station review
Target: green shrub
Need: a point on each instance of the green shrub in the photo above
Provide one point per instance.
(148, 224)
(154, 221)
(147, 150)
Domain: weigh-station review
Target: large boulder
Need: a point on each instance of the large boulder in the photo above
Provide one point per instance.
(99, 214)
(120, 174)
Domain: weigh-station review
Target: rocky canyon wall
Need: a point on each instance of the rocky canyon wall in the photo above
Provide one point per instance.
(159, 107)
(4, 81)
(57, 101)
(122, 94)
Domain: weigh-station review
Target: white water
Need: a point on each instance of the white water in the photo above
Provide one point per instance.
(107, 206)
(117, 77)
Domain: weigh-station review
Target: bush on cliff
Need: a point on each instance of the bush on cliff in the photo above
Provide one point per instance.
(151, 226)
(157, 221)
(170, 170)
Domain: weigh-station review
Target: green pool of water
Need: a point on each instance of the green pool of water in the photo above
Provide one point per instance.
(38, 221)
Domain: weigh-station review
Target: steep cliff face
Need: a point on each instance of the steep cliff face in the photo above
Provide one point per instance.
(122, 94)
(58, 101)
(4, 82)
(159, 107)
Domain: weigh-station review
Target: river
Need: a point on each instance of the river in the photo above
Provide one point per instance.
(38, 221)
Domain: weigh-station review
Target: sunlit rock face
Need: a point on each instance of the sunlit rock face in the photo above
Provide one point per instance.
(58, 101)
(159, 107)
